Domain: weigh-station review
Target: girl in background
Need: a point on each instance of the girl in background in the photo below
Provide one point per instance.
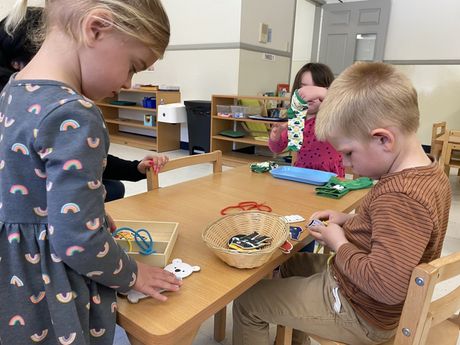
(313, 154)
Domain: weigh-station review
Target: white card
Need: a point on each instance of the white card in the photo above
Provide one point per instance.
(294, 218)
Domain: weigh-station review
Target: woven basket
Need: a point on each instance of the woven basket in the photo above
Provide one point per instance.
(217, 234)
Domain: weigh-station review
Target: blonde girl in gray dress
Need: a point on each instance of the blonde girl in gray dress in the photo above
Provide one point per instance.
(59, 266)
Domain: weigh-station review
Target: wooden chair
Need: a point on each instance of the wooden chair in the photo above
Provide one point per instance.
(423, 321)
(438, 130)
(450, 156)
(214, 157)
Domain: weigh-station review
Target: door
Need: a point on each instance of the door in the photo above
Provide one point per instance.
(353, 31)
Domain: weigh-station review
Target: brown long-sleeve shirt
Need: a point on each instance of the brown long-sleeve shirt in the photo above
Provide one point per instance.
(401, 223)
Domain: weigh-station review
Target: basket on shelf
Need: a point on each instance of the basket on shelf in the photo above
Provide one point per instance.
(217, 234)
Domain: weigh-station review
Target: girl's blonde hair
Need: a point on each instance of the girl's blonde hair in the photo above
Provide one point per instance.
(145, 20)
(366, 96)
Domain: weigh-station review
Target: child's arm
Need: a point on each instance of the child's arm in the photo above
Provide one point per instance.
(72, 143)
(400, 235)
(338, 218)
(277, 141)
(310, 93)
(154, 162)
(331, 235)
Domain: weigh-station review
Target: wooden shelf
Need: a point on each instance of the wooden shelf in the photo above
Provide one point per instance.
(228, 145)
(246, 140)
(135, 140)
(247, 120)
(139, 90)
(167, 134)
(130, 123)
(260, 98)
(129, 107)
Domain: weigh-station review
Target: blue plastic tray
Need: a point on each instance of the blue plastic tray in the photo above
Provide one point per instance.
(303, 175)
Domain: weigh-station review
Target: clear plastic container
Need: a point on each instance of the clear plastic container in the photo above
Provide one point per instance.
(224, 110)
(239, 111)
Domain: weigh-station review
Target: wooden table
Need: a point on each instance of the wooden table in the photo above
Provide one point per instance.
(195, 204)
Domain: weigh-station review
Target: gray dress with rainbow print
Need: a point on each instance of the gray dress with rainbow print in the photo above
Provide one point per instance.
(59, 266)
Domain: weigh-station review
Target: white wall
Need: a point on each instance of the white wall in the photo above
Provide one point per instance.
(278, 14)
(204, 21)
(426, 30)
(438, 92)
(303, 35)
(428, 33)
(200, 73)
(257, 76)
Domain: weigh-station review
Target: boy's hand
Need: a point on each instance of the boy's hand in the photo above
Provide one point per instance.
(332, 216)
(331, 235)
(310, 93)
(154, 162)
(150, 280)
(276, 131)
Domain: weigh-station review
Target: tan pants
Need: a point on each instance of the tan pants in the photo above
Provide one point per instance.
(304, 301)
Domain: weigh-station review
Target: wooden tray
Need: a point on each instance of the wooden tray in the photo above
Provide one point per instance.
(164, 235)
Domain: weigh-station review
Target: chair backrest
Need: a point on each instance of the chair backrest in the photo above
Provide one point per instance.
(420, 312)
(214, 157)
(450, 155)
(425, 321)
(437, 131)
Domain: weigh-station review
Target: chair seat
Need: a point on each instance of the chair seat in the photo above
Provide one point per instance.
(446, 333)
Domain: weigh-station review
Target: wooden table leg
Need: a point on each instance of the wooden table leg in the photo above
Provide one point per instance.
(283, 335)
(185, 340)
(219, 324)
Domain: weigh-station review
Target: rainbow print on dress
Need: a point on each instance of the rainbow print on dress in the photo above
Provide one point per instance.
(35, 109)
(68, 340)
(16, 321)
(19, 189)
(73, 250)
(14, 237)
(70, 207)
(39, 337)
(72, 164)
(65, 125)
(18, 147)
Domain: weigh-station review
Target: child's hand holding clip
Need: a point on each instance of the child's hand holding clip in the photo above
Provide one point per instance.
(154, 162)
(327, 234)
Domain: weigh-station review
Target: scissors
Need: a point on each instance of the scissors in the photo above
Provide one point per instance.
(247, 206)
(142, 238)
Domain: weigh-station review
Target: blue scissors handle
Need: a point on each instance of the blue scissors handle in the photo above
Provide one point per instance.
(145, 245)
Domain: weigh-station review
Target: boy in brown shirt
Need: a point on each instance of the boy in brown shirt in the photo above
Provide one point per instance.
(371, 116)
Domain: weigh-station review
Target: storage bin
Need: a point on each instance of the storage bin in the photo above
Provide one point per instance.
(149, 102)
(172, 113)
(239, 111)
(199, 125)
(224, 110)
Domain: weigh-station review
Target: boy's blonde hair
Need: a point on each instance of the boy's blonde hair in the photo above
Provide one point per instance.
(366, 96)
(145, 20)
